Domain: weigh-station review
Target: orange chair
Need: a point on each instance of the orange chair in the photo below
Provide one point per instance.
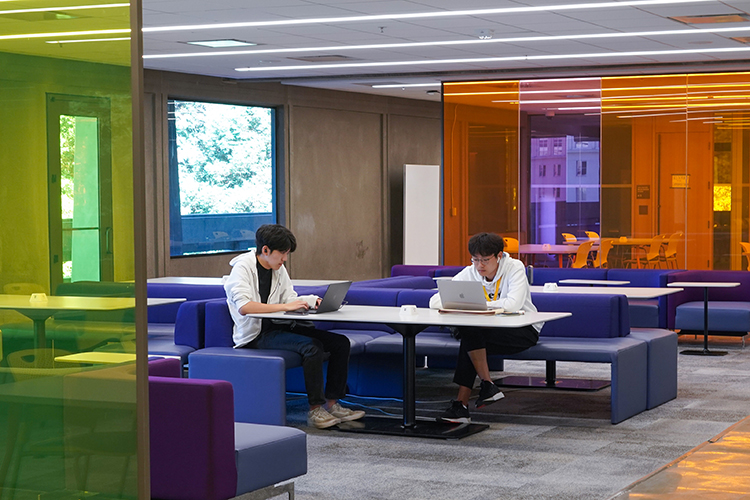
(655, 255)
(569, 238)
(604, 247)
(511, 245)
(582, 255)
(746, 252)
(670, 254)
(592, 235)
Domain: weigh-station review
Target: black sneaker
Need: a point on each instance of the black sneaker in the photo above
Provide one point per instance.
(456, 414)
(488, 394)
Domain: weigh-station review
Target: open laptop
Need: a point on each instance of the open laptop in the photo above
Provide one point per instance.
(332, 299)
(464, 295)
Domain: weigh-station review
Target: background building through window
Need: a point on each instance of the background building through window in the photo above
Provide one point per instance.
(221, 174)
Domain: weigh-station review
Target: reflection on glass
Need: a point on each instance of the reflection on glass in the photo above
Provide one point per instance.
(626, 158)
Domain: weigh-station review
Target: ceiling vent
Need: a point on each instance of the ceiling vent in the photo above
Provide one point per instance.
(712, 19)
(324, 58)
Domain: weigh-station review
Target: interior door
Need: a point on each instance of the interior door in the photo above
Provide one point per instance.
(80, 189)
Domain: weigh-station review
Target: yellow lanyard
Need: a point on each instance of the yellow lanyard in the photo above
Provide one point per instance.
(497, 287)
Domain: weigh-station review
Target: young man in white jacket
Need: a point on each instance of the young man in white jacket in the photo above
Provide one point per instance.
(259, 283)
(505, 286)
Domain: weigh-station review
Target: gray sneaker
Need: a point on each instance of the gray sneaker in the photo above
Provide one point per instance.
(345, 414)
(321, 419)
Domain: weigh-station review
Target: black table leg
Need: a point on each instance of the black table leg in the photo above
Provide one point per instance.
(705, 351)
(410, 426)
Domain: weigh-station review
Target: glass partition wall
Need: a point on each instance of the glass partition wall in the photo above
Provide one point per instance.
(67, 424)
(655, 169)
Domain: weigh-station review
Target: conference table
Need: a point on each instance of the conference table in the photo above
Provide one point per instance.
(40, 310)
(409, 325)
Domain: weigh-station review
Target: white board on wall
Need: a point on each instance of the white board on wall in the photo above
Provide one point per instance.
(422, 214)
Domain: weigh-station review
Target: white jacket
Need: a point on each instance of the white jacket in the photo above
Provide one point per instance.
(241, 287)
(514, 293)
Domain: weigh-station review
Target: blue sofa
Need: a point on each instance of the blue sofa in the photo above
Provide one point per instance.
(643, 360)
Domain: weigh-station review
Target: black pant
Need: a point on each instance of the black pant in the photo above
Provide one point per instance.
(315, 346)
(495, 340)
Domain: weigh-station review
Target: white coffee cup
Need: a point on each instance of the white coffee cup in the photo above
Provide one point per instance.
(407, 310)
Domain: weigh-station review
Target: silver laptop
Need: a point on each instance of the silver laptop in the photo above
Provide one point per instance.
(332, 300)
(466, 295)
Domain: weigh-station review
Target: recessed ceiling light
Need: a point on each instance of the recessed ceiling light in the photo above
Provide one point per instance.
(712, 18)
(220, 44)
(485, 34)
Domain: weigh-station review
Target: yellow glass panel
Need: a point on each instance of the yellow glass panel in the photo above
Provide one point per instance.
(69, 429)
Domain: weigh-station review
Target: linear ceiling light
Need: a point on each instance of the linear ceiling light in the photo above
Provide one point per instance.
(90, 40)
(64, 33)
(421, 62)
(447, 43)
(59, 9)
(549, 101)
(426, 15)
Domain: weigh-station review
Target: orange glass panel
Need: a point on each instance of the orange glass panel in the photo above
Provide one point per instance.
(480, 163)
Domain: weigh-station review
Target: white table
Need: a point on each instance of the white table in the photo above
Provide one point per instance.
(409, 326)
(545, 249)
(187, 280)
(705, 285)
(593, 282)
(97, 358)
(39, 312)
(630, 292)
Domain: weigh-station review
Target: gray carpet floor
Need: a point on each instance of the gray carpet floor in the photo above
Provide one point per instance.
(541, 444)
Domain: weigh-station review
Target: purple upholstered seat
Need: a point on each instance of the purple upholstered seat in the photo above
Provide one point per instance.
(198, 452)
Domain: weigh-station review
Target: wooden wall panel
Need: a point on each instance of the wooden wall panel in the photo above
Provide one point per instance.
(358, 144)
(336, 193)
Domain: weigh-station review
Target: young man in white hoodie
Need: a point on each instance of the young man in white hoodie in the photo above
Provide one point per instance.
(505, 286)
(259, 283)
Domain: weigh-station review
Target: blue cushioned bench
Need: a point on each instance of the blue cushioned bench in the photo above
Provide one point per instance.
(728, 308)
(603, 337)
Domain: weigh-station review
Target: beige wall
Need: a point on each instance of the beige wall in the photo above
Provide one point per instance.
(341, 157)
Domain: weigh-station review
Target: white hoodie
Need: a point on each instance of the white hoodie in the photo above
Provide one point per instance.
(241, 287)
(514, 293)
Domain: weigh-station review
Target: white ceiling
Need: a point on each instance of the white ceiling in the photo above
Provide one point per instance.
(332, 36)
